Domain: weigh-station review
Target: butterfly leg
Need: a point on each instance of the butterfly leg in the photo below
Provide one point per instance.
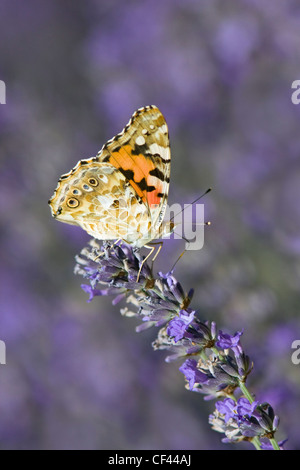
(158, 250)
(152, 248)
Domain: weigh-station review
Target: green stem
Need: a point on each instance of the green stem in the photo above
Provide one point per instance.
(274, 444)
(256, 442)
(246, 392)
(217, 352)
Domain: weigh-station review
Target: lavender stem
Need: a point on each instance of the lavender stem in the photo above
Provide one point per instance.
(215, 362)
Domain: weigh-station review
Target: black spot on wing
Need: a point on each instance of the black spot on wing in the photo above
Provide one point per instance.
(143, 186)
(158, 174)
(140, 149)
(129, 174)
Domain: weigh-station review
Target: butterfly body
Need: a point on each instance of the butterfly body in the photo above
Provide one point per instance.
(122, 192)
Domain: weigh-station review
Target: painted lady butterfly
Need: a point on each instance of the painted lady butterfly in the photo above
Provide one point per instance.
(122, 192)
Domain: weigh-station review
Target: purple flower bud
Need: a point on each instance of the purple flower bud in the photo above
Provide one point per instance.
(244, 407)
(192, 374)
(178, 326)
(95, 292)
(227, 407)
(175, 288)
(226, 341)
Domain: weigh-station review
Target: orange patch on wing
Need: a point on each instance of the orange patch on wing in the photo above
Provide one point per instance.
(154, 197)
(145, 164)
(140, 165)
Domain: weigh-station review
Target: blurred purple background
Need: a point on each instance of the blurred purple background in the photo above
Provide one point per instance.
(77, 374)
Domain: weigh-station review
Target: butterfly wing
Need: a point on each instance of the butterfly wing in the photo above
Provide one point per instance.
(122, 192)
(141, 152)
(97, 197)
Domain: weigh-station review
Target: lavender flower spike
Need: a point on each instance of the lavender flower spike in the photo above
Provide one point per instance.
(215, 363)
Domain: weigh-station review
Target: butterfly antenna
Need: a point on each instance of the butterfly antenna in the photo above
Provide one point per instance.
(180, 256)
(188, 205)
(204, 223)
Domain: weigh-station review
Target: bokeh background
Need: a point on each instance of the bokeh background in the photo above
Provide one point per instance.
(77, 375)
